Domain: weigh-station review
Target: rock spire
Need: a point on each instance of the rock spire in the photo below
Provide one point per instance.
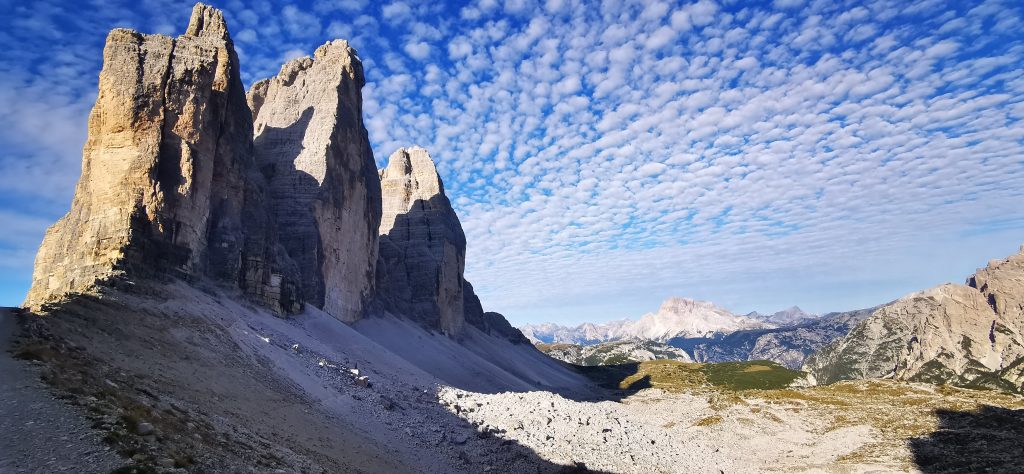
(168, 185)
(324, 192)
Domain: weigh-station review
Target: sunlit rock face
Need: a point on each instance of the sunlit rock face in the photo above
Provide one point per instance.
(324, 191)
(960, 334)
(168, 184)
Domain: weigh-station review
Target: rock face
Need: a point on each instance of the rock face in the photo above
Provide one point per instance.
(423, 253)
(275, 192)
(168, 185)
(969, 335)
(788, 345)
(311, 144)
(489, 322)
(422, 246)
(677, 317)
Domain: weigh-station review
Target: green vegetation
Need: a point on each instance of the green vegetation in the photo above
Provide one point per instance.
(750, 375)
(674, 376)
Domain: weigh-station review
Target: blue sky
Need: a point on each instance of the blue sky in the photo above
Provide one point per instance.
(604, 156)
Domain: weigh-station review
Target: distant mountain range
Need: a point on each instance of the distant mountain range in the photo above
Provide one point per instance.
(677, 317)
(792, 315)
(789, 344)
(687, 329)
(967, 335)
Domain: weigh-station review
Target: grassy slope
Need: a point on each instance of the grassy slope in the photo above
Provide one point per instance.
(672, 375)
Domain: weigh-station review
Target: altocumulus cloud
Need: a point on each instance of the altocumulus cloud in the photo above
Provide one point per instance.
(832, 154)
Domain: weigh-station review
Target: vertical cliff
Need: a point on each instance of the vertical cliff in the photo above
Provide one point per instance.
(168, 184)
(324, 193)
(423, 253)
(422, 246)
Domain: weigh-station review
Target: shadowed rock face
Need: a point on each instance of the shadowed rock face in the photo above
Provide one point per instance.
(168, 185)
(311, 144)
(275, 191)
(959, 334)
(422, 246)
(423, 253)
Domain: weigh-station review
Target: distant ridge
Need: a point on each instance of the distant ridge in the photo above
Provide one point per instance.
(677, 317)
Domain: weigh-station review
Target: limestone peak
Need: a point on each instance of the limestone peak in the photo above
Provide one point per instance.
(207, 21)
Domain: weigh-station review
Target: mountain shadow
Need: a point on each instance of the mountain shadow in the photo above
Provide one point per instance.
(989, 439)
(293, 193)
(218, 404)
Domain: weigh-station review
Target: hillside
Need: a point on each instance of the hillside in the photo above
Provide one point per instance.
(610, 353)
(788, 345)
(969, 335)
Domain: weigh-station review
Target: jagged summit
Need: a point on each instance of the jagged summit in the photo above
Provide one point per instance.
(168, 184)
(311, 144)
(676, 317)
(422, 245)
(790, 315)
(207, 21)
(423, 252)
(411, 180)
(274, 191)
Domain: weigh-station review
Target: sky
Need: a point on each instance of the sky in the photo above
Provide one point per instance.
(603, 156)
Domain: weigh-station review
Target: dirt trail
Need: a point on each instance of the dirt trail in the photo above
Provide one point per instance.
(39, 433)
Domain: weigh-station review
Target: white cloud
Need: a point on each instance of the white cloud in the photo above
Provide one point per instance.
(459, 48)
(396, 11)
(786, 4)
(300, 23)
(293, 54)
(417, 49)
(703, 12)
(660, 37)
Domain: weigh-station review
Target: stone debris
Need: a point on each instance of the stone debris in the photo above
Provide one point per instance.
(144, 429)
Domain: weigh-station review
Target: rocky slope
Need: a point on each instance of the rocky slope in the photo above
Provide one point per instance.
(324, 193)
(616, 352)
(970, 335)
(789, 345)
(168, 184)
(677, 317)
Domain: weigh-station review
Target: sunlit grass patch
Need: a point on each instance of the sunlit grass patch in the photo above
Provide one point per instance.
(675, 376)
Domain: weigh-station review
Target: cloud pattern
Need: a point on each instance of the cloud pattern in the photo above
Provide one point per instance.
(605, 155)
